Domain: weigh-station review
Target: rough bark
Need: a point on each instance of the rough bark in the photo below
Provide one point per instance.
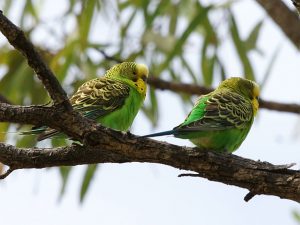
(114, 147)
(69, 122)
(286, 19)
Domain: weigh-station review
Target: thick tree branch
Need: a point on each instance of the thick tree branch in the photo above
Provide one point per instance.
(16, 38)
(286, 19)
(115, 147)
(194, 89)
(71, 122)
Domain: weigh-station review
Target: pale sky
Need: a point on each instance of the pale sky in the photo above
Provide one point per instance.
(142, 193)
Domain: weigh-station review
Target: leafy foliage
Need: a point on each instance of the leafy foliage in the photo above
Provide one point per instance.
(178, 40)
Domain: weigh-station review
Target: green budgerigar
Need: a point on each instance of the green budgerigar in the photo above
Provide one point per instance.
(112, 100)
(220, 120)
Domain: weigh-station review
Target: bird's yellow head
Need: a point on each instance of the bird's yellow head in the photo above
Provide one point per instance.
(132, 73)
(245, 87)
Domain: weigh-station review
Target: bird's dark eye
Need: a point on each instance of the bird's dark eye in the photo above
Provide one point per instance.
(134, 79)
(144, 77)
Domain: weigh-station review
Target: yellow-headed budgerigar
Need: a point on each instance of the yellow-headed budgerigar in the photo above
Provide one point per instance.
(112, 100)
(220, 120)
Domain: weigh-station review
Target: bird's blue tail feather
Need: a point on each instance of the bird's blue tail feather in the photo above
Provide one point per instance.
(160, 133)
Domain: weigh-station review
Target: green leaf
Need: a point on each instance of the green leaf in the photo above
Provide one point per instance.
(63, 60)
(160, 8)
(125, 27)
(59, 141)
(174, 10)
(17, 82)
(64, 174)
(241, 49)
(221, 68)
(6, 7)
(296, 216)
(31, 9)
(174, 76)
(27, 141)
(88, 176)
(208, 29)
(85, 20)
(3, 129)
(164, 43)
(123, 5)
(207, 64)
(152, 110)
(188, 68)
(253, 36)
(270, 67)
(198, 19)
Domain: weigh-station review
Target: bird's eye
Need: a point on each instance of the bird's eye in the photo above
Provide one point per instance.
(134, 73)
(134, 79)
(144, 77)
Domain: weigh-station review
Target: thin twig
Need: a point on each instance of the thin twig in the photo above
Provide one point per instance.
(6, 173)
(249, 196)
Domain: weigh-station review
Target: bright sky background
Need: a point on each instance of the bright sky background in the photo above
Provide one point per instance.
(142, 193)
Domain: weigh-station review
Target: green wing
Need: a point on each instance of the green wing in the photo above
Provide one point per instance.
(218, 111)
(99, 97)
(94, 99)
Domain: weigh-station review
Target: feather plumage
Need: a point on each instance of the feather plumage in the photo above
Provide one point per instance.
(112, 100)
(220, 120)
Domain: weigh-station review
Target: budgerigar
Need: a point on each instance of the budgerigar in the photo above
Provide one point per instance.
(112, 100)
(220, 120)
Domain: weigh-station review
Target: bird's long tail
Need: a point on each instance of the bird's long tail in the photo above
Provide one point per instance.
(168, 132)
(34, 131)
(42, 132)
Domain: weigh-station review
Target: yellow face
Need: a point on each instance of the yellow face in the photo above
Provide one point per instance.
(132, 73)
(255, 96)
(140, 78)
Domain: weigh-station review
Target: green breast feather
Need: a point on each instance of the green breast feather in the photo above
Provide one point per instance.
(122, 118)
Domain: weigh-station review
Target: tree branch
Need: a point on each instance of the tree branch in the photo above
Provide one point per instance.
(194, 89)
(296, 3)
(114, 147)
(16, 38)
(71, 123)
(286, 19)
